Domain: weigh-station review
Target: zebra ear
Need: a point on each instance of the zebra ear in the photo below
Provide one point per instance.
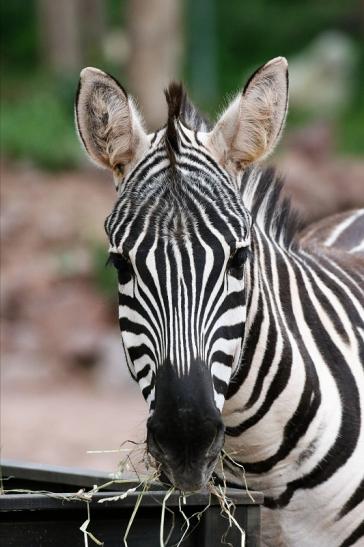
(250, 128)
(107, 122)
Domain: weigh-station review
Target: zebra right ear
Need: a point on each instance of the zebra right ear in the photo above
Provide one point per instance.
(108, 123)
(250, 128)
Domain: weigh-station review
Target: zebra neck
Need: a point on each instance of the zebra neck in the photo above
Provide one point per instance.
(276, 378)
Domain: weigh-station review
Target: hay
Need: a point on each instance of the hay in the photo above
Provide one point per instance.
(136, 507)
(240, 467)
(161, 528)
(138, 452)
(86, 533)
(187, 520)
(227, 510)
(186, 524)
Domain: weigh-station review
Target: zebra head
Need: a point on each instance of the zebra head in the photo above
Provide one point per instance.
(180, 239)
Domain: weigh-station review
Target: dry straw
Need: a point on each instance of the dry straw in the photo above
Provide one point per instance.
(134, 456)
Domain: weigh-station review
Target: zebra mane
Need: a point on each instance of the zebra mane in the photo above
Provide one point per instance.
(261, 188)
(174, 96)
(262, 194)
(180, 107)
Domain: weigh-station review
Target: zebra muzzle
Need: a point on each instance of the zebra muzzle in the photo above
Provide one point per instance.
(185, 432)
(188, 453)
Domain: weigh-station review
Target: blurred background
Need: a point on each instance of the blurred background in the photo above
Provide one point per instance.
(65, 388)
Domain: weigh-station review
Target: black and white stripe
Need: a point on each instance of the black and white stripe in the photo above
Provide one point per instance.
(176, 235)
(293, 408)
(216, 286)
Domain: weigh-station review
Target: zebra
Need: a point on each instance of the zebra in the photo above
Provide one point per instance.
(244, 333)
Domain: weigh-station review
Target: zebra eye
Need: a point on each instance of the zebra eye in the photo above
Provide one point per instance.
(237, 261)
(122, 265)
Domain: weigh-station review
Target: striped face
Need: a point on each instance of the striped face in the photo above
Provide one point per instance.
(179, 238)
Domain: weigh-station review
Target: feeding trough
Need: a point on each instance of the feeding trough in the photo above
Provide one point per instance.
(163, 516)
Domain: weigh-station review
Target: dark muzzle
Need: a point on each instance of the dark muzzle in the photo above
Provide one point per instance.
(187, 448)
(185, 431)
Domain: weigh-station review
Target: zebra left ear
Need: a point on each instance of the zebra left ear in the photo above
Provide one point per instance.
(108, 123)
(250, 128)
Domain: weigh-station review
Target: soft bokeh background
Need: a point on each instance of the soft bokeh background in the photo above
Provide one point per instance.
(65, 388)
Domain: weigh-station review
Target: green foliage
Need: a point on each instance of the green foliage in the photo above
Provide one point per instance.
(225, 42)
(351, 130)
(104, 275)
(18, 36)
(36, 124)
(116, 13)
(252, 32)
(249, 33)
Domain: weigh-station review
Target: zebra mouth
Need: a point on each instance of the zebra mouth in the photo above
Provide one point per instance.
(164, 479)
(189, 479)
(185, 483)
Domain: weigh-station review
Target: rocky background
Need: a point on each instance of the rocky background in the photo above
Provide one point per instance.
(65, 387)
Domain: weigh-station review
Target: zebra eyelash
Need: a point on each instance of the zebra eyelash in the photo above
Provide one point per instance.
(118, 261)
(236, 262)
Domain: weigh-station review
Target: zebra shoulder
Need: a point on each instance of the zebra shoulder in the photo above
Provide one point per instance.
(343, 232)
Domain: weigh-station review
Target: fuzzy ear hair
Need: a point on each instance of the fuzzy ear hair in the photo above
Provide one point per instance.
(250, 128)
(107, 121)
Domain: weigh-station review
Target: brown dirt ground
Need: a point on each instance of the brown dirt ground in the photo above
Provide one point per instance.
(64, 385)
